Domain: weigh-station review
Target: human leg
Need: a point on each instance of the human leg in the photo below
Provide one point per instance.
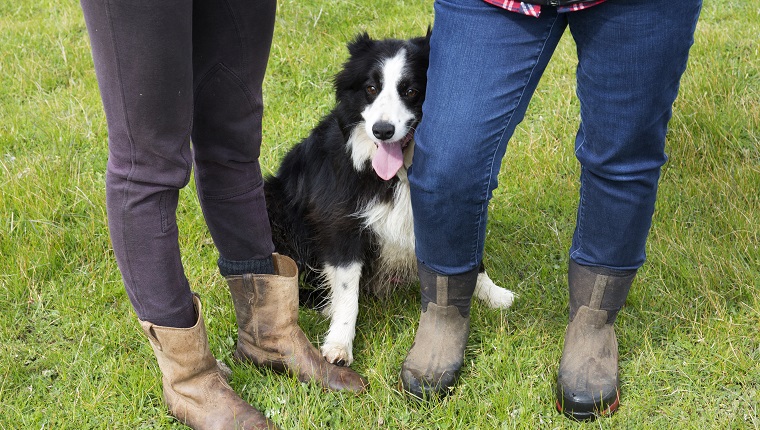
(485, 64)
(231, 47)
(143, 58)
(631, 58)
(145, 80)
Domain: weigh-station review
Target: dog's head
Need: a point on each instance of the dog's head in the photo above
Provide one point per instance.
(384, 82)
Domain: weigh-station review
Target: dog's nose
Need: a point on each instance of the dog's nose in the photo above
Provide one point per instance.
(383, 130)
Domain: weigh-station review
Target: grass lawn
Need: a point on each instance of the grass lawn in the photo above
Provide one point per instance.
(72, 355)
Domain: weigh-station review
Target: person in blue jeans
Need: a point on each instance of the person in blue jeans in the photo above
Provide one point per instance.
(486, 59)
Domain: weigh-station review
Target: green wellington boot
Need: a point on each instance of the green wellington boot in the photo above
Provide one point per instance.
(587, 382)
(431, 367)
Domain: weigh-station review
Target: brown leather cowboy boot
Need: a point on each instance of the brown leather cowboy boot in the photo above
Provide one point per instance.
(268, 333)
(431, 367)
(587, 381)
(195, 388)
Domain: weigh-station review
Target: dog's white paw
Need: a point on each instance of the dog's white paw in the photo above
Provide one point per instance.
(338, 354)
(493, 295)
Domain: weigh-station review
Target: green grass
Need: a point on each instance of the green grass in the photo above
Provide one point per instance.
(71, 352)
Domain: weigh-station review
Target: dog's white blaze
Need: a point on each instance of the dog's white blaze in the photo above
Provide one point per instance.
(343, 310)
(388, 105)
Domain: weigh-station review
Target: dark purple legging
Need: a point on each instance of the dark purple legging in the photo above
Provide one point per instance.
(172, 71)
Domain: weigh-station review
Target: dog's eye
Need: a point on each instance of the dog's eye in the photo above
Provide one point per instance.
(372, 90)
(411, 92)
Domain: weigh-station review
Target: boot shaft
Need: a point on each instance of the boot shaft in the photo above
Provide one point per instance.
(181, 352)
(598, 288)
(452, 290)
(272, 298)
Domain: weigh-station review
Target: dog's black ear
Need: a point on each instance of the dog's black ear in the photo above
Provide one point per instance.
(360, 43)
(424, 41)
(352, 75)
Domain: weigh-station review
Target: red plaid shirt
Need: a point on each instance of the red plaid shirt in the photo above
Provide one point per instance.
(535, 10)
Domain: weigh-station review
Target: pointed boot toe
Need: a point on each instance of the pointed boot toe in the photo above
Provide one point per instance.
(266, 307)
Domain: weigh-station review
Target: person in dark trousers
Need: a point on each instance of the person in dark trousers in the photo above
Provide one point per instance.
(181, 88)
(486, 59)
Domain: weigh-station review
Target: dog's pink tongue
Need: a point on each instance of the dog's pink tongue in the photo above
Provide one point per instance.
(388, 159)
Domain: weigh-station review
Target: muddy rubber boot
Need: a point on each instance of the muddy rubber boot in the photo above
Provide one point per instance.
(266, 307)
(588, 385)
(432, 366)
(195, 387)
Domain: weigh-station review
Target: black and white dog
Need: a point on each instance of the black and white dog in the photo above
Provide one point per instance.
(339, 204)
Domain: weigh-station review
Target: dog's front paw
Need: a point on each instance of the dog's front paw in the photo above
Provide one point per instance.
(338, 354)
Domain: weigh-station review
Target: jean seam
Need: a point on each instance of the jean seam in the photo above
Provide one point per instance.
(163, 205)
(581, 213)
(238, 33)
(581, 194)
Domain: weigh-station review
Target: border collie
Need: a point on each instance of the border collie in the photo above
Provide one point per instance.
(339, 203)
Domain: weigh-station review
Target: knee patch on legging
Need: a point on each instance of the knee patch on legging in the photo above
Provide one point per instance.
(226, 119)
(226, 136)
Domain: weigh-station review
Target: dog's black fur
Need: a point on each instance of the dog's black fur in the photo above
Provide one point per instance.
(314, 199)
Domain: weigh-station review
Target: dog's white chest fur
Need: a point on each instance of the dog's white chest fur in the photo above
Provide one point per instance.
(392, 221)
(393, 225)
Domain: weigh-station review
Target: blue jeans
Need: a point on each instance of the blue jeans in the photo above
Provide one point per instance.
(485, 64)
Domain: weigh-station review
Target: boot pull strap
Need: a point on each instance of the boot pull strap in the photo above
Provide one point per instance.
(442, 291)
(248, 282)
(597, 294)
(150, 333)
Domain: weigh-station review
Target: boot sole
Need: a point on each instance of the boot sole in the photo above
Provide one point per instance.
(424, 392)
(592, 412)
